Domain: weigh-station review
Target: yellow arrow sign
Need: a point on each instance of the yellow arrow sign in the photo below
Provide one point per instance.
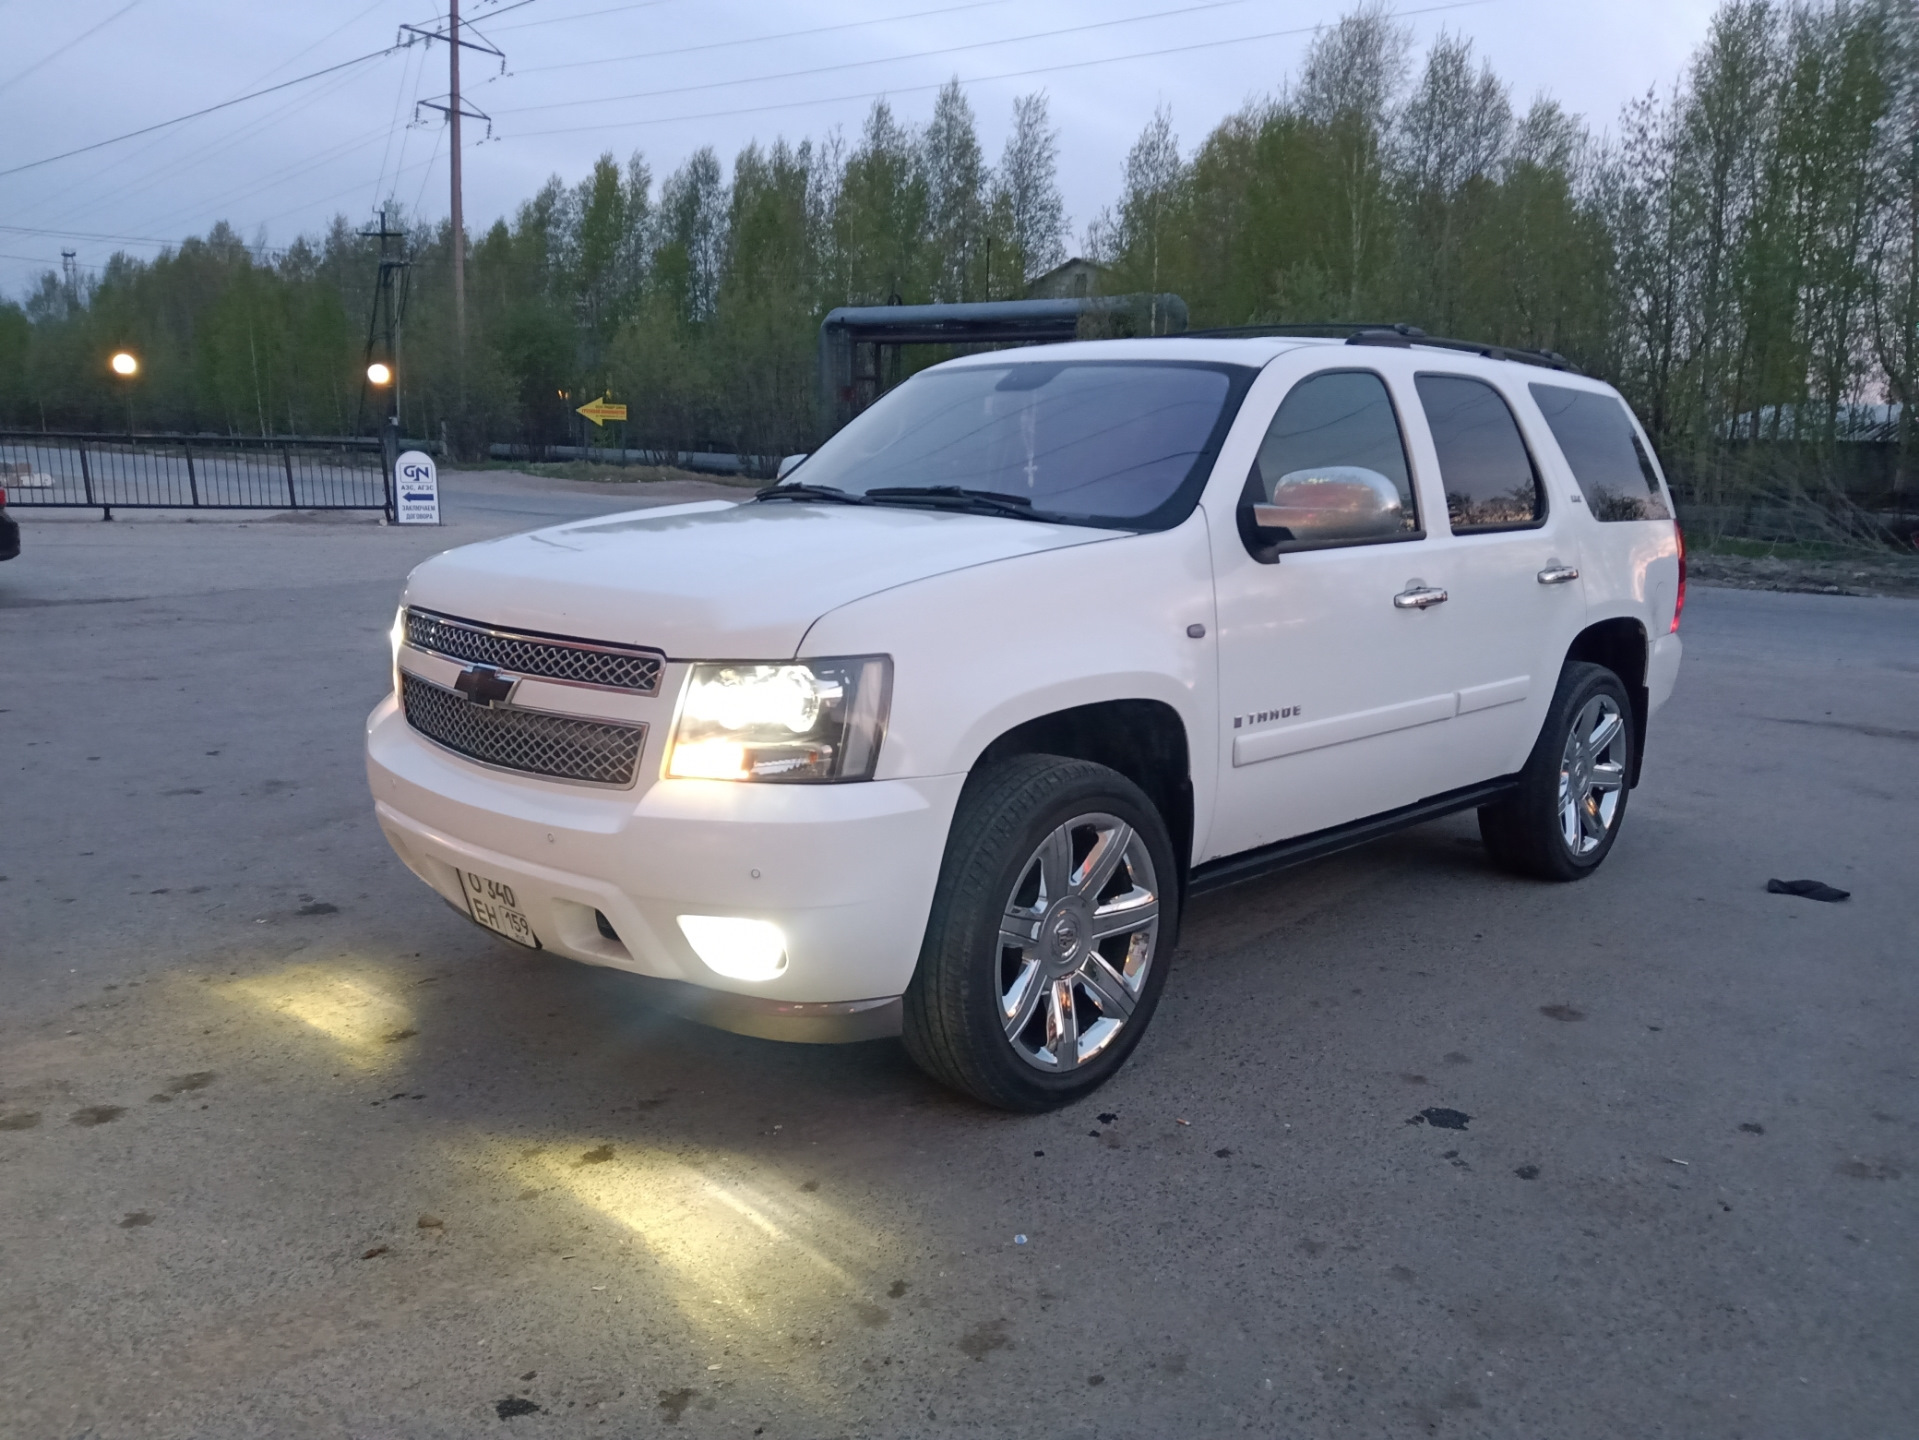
(601, 411)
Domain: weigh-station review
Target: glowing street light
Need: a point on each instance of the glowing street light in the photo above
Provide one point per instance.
(379, 373)
(125, 365)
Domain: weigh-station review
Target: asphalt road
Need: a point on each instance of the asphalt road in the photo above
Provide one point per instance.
(289, 1148)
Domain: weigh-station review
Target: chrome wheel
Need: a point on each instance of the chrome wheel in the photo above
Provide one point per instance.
(1076, 941)
(1592, 775)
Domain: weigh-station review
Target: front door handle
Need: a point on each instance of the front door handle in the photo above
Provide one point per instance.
(1558, 574)
(1419, 597)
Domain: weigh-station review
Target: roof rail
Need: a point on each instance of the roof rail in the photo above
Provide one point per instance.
(1397, 339)
(1312, 327)
(1394, 334)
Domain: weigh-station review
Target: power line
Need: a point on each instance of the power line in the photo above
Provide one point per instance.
(108, 239)
(364, 140)
(162, 174)
(56, 54)
(976, 80)
(569, 19)
(83, 235)
(762, 39)
(394, 127)
(40, 260)
(343, 25)
(433, 155)
(887, 59)
(259, 190)
(326, 199)
(94, 179)
(516, 5)
(196, 114)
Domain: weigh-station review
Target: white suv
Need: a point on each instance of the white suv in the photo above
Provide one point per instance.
(937, 736)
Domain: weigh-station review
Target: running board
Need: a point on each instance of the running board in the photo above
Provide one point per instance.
(1251, 864)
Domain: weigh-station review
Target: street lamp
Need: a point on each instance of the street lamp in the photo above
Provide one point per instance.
(125, 365)
(379, 373)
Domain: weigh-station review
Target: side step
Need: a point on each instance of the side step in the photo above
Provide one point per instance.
(1251, 864)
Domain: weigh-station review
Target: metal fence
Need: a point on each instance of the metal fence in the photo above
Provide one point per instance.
(206, 472)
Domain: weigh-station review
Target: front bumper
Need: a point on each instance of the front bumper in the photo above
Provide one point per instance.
(846, 871)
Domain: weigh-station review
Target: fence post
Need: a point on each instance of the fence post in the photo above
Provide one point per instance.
(286, 454)
(86, 481)
(193, 480)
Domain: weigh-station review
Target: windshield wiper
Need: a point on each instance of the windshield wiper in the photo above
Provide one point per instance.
(959, 497)
(810, 492)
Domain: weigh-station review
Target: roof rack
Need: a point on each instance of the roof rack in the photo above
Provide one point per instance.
(1398, 339)
(1395, 335)
(1304, 327)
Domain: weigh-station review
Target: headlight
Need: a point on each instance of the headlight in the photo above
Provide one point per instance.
(813, 720)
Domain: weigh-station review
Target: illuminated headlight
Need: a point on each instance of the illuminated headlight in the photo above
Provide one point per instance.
(738, 949)
(812, 720)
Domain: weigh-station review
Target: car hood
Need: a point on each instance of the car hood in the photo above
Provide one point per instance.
(716, 580)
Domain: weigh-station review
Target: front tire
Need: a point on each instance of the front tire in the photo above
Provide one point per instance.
(1048, 943)
(1562, 821)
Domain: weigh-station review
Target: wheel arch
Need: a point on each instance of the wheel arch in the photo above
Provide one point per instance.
(1622, 646)
(1144, 740)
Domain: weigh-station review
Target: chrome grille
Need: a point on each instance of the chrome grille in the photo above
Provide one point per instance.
(580, 662)
(560, 746)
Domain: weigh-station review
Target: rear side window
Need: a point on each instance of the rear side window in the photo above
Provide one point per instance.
(1487, 471)
(1332, 469)
(1612, 467)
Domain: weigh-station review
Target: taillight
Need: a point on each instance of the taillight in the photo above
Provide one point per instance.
(3, 496)
(1679, 602)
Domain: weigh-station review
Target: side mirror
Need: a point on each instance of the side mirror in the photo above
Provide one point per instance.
(788, 466)
(1329, 504)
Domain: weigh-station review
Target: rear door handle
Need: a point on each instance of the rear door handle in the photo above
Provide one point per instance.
(1419, 597)
(1558, 574)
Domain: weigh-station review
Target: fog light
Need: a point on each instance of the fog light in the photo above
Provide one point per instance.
(737, 949)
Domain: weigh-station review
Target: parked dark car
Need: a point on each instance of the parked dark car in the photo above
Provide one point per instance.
(9, 531)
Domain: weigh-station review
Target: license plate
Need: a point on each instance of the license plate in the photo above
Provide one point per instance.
(495, 906)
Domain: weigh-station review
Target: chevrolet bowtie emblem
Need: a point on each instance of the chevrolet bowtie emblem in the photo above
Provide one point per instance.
(484, 685)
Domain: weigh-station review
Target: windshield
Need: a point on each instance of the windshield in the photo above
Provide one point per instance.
(1107, 442)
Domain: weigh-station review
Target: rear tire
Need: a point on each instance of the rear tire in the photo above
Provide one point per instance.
(1561, 822)
(1050, 933)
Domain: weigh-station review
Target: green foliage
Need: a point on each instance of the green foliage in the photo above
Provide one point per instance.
(1747, 245)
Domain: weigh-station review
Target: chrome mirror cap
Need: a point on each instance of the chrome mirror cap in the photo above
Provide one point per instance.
(1333, 502)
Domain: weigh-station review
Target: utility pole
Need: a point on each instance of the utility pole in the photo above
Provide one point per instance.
(459, 216)
(455, 109)
(384, 325)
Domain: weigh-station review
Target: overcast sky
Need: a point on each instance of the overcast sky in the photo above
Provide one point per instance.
(587, 76)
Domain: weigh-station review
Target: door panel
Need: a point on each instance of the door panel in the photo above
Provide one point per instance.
(1506, 550)
(1335, 701)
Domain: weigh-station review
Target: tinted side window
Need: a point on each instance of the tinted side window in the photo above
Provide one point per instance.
(1335, 437)
(1614, 471)
(1484, 464)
